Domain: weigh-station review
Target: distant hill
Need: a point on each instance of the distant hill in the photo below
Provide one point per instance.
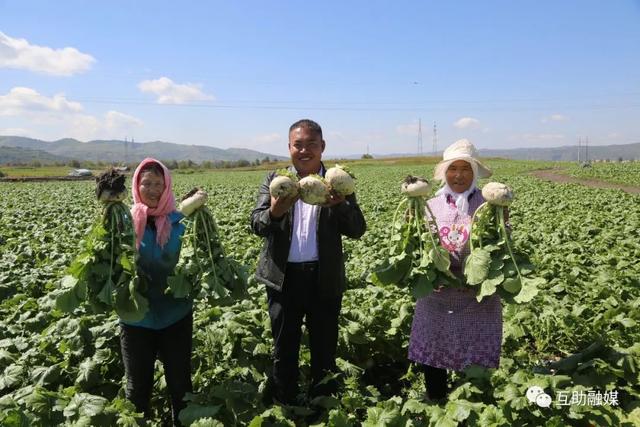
(566, 153)
(121, 151)
(569, 153)
(28, 155)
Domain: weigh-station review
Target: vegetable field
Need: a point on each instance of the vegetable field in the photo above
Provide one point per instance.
(578, 337)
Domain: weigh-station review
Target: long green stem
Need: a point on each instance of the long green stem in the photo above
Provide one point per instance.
(503, 229)
(430, 233)
(471, 227)
(113, 217)
(201, 214)
(419, 221)
(393, 223)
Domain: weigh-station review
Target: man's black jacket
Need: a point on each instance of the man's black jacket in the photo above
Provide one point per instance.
(342, 219)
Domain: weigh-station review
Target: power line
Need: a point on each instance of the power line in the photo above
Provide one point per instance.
(414, 108)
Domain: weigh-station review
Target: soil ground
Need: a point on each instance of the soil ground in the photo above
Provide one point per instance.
(558, 176)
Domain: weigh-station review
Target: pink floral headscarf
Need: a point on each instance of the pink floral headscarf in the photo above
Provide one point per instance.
(140, 211)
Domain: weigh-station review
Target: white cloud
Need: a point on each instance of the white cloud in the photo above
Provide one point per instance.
(615, 135)
(169, 92)
(335, 135)
(112, 124)
(268, 138)
(408, 129)
(14, 132)
(467, 123)
(22, 100)
(116, 120)
(57, 114)
(20, 54)
(555, 118)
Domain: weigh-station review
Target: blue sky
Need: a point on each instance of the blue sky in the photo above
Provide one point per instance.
(237, 74)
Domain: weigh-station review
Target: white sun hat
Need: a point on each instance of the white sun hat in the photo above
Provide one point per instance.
(462, 149)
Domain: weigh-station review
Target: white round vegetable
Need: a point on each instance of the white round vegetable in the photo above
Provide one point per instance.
(282, 186)
(108, 196)
(497, 194)
(313, 190)
(340, 181)
(190, 204)
(415, 186)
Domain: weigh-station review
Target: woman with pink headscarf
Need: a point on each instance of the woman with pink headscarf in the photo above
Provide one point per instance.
(166, 330)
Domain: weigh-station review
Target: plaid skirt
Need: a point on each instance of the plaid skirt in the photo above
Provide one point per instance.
(452, 330)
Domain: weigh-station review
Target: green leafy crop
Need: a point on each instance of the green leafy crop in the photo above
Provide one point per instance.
(416, 259)
(203, 270)
(493, 264)
(104, 273)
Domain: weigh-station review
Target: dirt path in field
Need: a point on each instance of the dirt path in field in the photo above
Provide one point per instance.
(557, 176)
(45, 178)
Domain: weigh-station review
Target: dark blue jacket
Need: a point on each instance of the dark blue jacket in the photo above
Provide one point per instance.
(155, 264)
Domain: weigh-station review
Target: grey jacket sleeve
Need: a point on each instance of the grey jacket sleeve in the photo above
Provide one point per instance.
(261, 222)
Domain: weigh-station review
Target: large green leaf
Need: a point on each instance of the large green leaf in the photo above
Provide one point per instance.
(194, 411)
(131, 307)
(392, 273)
(476, 266)
(440, 258)
(530, 288)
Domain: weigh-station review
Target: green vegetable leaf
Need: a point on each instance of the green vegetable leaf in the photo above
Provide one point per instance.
(529, 289)
(394, 272)
(476, 266)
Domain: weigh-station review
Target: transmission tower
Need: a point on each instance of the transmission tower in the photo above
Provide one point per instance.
(435, 139)
(419, 137)
(126, 151)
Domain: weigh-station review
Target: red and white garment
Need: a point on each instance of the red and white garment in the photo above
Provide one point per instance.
(451, 329)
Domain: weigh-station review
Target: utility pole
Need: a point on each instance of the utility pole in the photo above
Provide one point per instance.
(435, 139)
(586, 154)
(579, 148)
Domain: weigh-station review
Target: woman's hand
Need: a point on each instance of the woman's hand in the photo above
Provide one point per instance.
(193, 200)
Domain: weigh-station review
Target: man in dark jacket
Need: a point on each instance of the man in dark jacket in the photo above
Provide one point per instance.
(302, 266)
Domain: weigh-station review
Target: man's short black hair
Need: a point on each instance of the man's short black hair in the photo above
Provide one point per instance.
(309, 124)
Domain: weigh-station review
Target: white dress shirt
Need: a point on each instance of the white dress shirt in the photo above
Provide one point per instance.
(304, 242)
(304, 245)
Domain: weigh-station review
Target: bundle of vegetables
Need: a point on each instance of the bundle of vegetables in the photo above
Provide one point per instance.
(494, 265)
(416, 258)
(203, 270)
(340, 180)
(313, 189)
(104, 273)
(285, 184)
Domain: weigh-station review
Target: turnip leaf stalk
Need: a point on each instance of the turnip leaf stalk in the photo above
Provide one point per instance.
(203, 270)
(104, 273)
(494, 264)
(416, 258)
